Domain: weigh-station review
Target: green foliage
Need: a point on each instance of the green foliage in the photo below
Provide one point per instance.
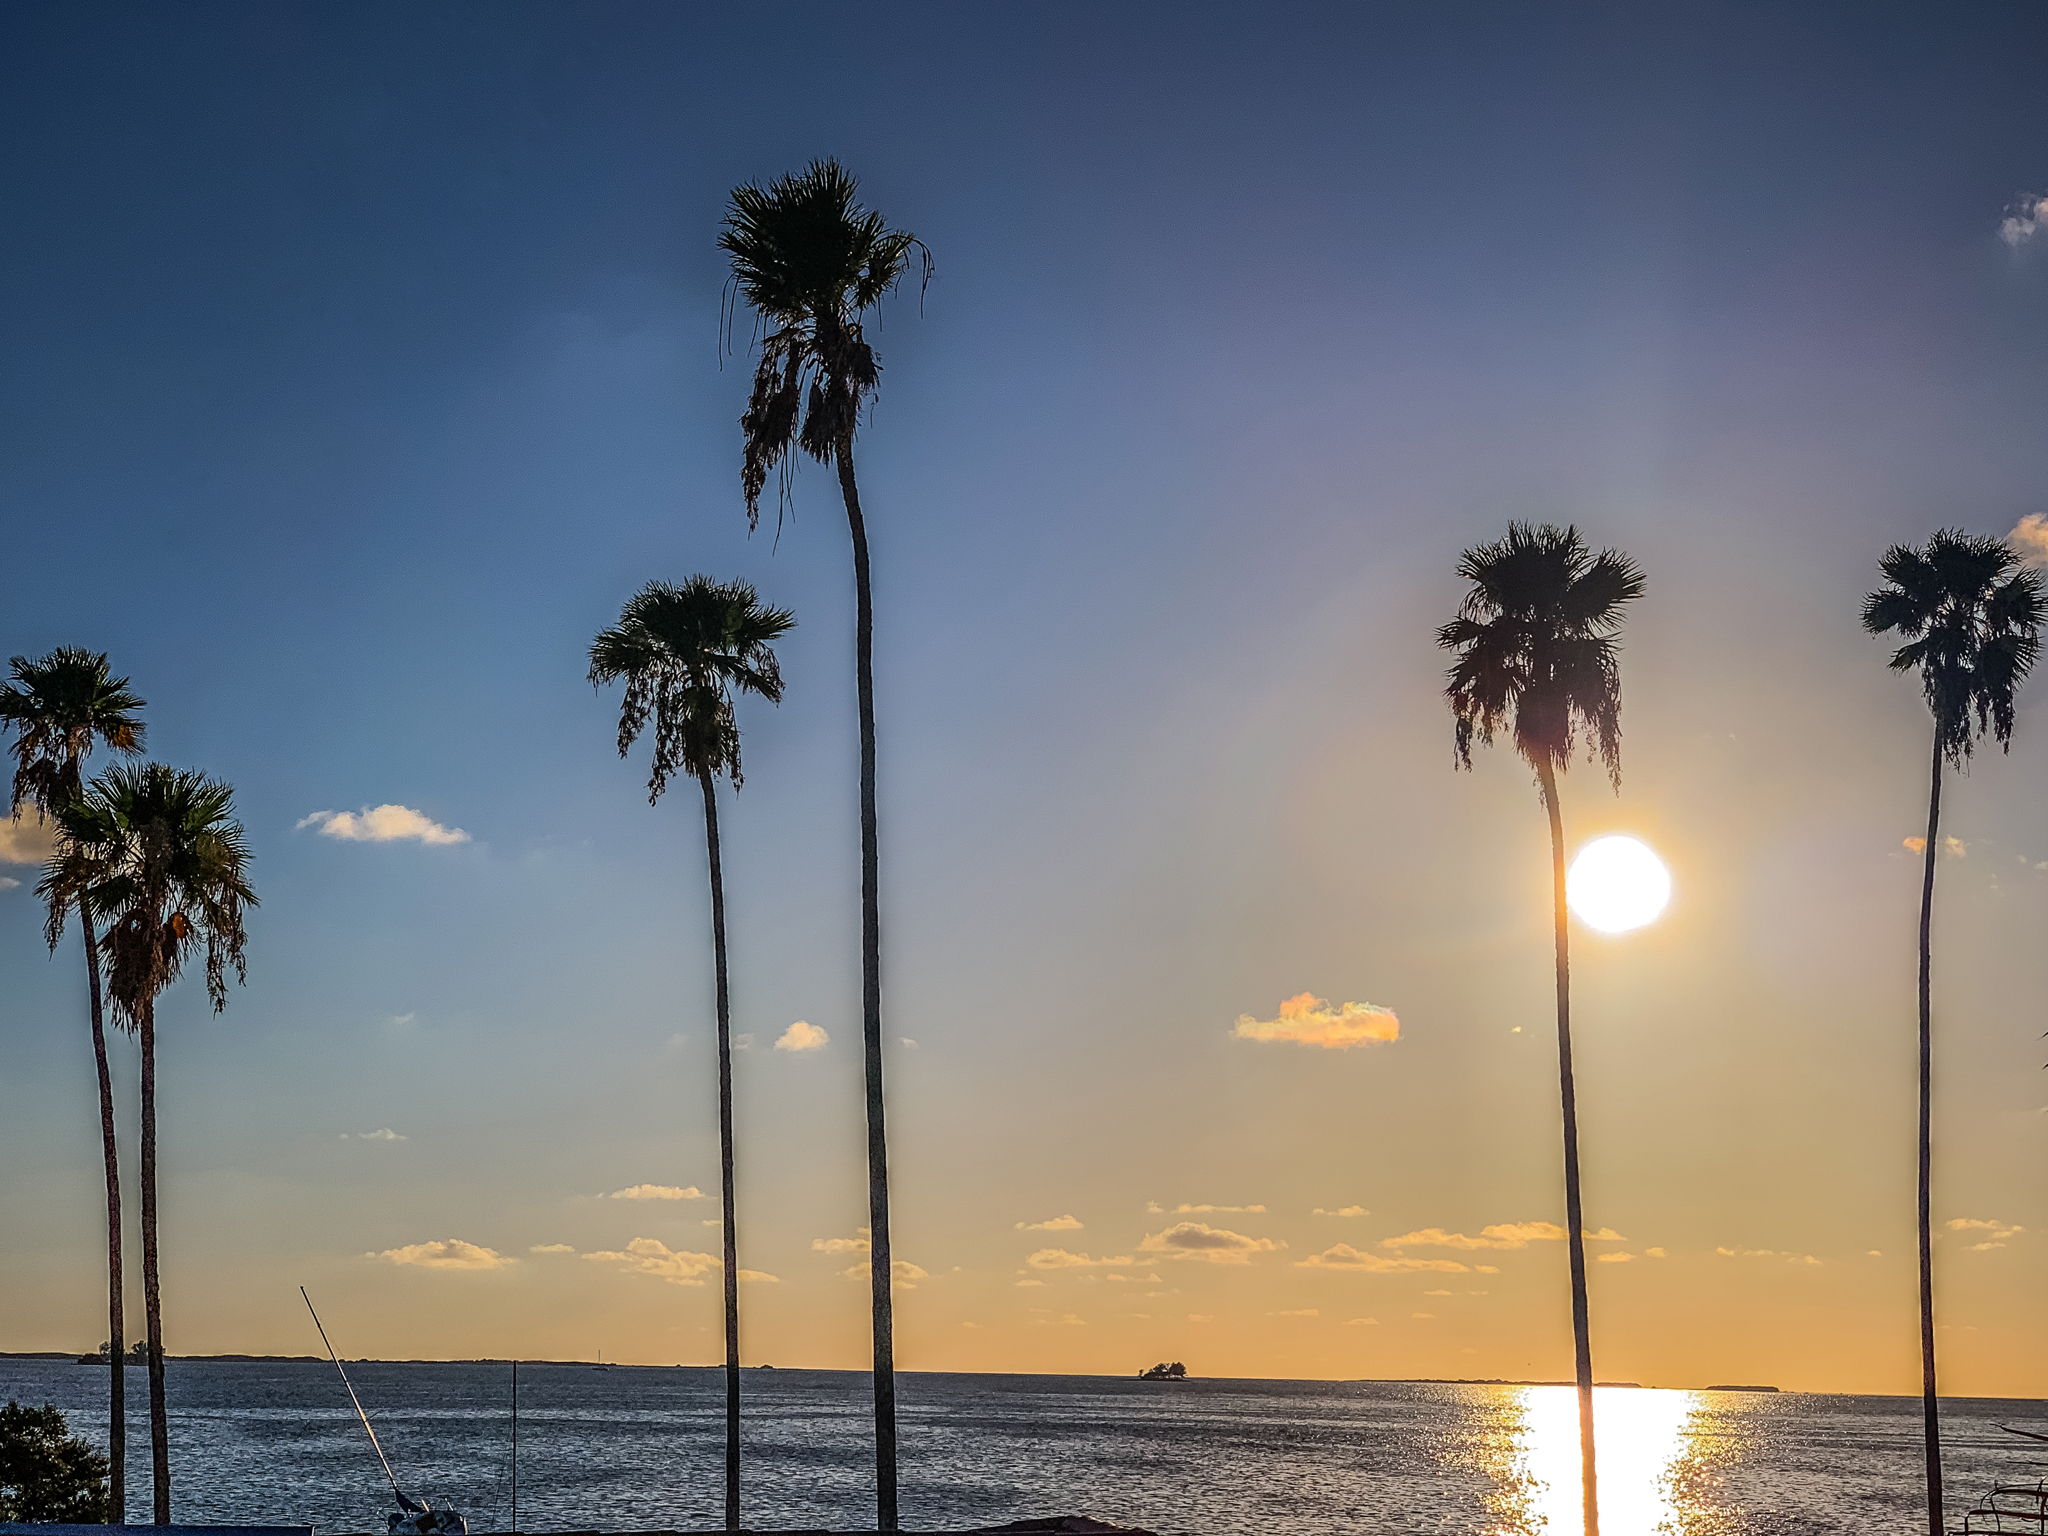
(158, 854)
(58, 707)
(47, 1474)
(810, 260)
(1538, 641)
(1971, 615)
(680, 650)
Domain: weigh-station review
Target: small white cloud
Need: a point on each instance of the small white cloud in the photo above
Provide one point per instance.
(1051, 1224)
(1953, 847)
(649, 1256)
(903, 1275)
(1616, 1258)
(802, 1036)
(25, 838)
(1306, 1019)
(9, 883)
(1344, 1256)
(839, 1244)
(1425, 1316)
(1209, 1245)
(383, 824)
(906, 1042)
(1185, 1209)
(1996, 1233)
(1439, 1293)
(1506, 1234)
(1296, 1312)
(382, 1133)
(656, 1192)
(1027, 1284)
(1060, 1258)
(1655, 1253)
(2029, 538)
(400, 1020)
(2025, 217)
(1805, 1260)
(444, 1253)
(1361, 1322)
(552, 1248)
(1342, 1210)
(1201, 1317)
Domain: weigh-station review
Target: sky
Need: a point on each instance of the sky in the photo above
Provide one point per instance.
(362, 360)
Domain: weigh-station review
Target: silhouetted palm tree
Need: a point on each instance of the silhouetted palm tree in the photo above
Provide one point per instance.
(158, 856)
(1537, 643)
(812, 262)
(60, 707)
(681, 651)
(1970, 614)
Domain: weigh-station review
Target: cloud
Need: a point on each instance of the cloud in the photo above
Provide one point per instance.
(2029, 538)
(1424, 1316)
(1132, 1279)
(1051, 1224)
(1439, 1293)
(1507, 1234)
(1296, 1312)
(2025, 217)
(444, 1253)
(1210, 1245)
(1954, 847)
(1060, 1258)
(1997, 1233)
(656, 1192)
(383, 1133)
(1616, 1258)
(26, 839)
(802, 1036)
(839, 1245)
(1211, 1210)
(903, 1274)
(383, 824)
(651, 1256)
(1024, 1283)
(9, 883)
(1361, 1322)
(1342, 1210)
(552, 1248)
(1344, 1256)
(906, 1042)
(1310, 1020)
(1804, 1259)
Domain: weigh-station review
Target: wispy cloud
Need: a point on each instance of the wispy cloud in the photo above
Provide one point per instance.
(1361, 1322)
(383, 1133)
(383, 824)
(1507, 1234)
(656, 1192)
(802, 1036)
(1996, 1233)
(1210, 1245)
(552, 1248)
(1616, 1258)
(903, 1275)
(1185, 1209)
(2025, 217)
(1344, 1256)
(1342, 1210)
(1060, 1258)
(1296, 1312)
(25, 838)
(1803, 1259)
(651, 1256)
(444, 1253)
(840, 1244)
(1954, 847)
(1050, 1224)
(1311, 1020)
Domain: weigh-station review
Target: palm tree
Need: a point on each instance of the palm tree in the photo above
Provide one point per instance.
(812, 262)
(157, 854)
(1537, 641)
(680, 651)
(60, 707)
(1970, 614)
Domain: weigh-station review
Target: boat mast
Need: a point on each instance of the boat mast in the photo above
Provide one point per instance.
(382, 1460)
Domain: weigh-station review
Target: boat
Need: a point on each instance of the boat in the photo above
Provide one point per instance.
(2009, 1507)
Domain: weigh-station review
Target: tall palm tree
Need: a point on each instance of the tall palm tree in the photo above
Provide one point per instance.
(681, 651)
(812, 262)
(1970, 614)
(60, 707)
(156, 853)
(1537, 641)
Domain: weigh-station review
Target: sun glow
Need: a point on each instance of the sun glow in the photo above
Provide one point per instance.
(1616, 883)
(1642, 1441)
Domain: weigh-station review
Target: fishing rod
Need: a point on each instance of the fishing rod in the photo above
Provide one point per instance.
(382, 1460)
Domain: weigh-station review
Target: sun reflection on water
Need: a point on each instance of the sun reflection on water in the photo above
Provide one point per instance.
(1644, 1440)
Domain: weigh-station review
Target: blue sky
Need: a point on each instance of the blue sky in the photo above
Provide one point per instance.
(363, 359)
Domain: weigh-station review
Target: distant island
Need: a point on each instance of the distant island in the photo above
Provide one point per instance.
(1741, 1389)
(1165, 1370)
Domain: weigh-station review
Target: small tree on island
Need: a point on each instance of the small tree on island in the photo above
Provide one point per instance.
(46, 1472)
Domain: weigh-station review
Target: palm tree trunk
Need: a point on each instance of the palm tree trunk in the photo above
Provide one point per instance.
(1930, 1409)
(725, 1158)
(881, 1267)
(152, 1296)
(117, 1342)
(1575, 1224)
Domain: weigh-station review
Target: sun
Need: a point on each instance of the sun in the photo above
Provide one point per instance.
(1617, 883)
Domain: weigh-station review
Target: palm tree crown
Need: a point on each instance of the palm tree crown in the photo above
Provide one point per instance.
(1537, 643)
(59, 707)
(157, 852)
(811, 260)
(680, 650)
(1970, 614)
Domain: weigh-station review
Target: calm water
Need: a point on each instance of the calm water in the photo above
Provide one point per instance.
(639, 1448)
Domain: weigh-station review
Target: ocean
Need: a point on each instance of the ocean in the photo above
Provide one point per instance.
(629, 1448)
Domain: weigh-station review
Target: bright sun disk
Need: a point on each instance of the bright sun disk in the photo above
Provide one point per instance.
(1617, 883)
